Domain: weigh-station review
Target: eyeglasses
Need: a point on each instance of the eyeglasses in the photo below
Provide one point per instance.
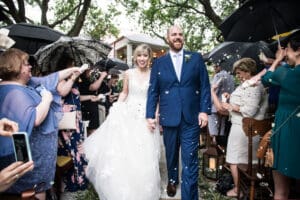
(26, 64)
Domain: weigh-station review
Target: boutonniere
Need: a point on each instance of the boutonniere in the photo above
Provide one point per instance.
(187, 57)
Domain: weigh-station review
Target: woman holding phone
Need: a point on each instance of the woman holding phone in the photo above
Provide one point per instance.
(37, 114)
(10, 174)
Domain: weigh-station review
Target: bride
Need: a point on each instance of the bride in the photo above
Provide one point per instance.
(123, 155)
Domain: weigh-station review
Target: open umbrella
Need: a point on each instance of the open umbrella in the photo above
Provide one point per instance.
(82, 50)
(30, 37)
(111, 63)
(120, 64)
(227, 53)
(260, 20)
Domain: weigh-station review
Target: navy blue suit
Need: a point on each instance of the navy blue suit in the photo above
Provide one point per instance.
(180, 103)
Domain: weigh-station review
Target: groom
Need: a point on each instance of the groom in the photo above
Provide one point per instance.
(179, 84)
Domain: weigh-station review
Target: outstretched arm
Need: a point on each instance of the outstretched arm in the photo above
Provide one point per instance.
(217, 102)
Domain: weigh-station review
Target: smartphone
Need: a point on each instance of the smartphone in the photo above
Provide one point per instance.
(21, 147)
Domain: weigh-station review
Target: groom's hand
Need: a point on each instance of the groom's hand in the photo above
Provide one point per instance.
(151, 124)
(202, 119)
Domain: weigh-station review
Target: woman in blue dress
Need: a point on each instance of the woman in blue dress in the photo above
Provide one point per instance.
(285, 139)
(36, 114)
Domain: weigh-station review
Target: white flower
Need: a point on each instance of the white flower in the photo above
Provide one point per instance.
(187, 57)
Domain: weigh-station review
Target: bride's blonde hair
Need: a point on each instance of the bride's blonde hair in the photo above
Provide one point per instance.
(140, 49)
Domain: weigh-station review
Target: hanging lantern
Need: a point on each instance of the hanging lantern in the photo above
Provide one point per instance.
(213, 159)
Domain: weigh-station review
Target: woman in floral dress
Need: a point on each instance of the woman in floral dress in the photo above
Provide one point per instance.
(70, 141)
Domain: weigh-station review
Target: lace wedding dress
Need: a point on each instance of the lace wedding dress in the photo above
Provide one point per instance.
(123, 155)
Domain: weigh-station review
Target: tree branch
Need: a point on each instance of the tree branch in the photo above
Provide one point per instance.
(44, 9)
(67, 16)
(75, 30)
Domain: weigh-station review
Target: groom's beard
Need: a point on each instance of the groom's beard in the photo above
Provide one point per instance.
(176, 45)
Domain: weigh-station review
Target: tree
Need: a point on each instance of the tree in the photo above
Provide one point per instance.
(70, 16)
(199, 18)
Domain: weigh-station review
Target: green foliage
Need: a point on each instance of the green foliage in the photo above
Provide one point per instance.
(201, 31)
(207, 187)
(67, 16)
(88, 194)
(100, 24)
(97, 22)
(60, 9)
(119, 86)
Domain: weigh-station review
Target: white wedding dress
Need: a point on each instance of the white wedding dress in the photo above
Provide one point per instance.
(123, 155)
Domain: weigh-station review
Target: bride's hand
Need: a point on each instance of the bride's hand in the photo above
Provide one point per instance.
(151, 124)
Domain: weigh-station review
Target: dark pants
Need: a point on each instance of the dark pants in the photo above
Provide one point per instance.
(185, 136)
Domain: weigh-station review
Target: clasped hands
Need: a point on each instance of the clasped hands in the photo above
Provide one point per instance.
(151, 124)
(202, 121)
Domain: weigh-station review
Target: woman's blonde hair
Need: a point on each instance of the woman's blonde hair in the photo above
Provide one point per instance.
(11, 62)
(140, 49)
(245, 65)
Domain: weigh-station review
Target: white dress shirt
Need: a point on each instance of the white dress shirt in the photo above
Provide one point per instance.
(177, 59)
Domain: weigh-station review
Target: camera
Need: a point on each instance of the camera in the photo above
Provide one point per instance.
(103, 65)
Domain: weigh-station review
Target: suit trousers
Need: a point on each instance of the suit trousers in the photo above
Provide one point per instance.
(186, 136)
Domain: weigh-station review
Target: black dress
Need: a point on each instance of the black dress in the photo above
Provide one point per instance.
(89, 109)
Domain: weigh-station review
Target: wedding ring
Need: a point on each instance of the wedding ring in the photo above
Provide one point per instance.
(17, 176)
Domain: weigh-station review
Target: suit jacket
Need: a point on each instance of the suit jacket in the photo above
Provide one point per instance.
(186, 97)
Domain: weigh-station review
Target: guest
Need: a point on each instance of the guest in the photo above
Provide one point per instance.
(70, 141)
(179, 86)
(217, 120)
(108, 88)
(273, 90)
(31, 111)
(90, 107)
(10, 174)
(35, 112)
(285, 137)
(245, 101)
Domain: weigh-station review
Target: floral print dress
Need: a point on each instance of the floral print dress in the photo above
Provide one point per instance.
(70, 144)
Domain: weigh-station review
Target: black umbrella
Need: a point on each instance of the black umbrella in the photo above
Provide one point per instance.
(111, 63)
(259, 20)
(120, 64)
(82, 50)
(30, 37)
(228, 52)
